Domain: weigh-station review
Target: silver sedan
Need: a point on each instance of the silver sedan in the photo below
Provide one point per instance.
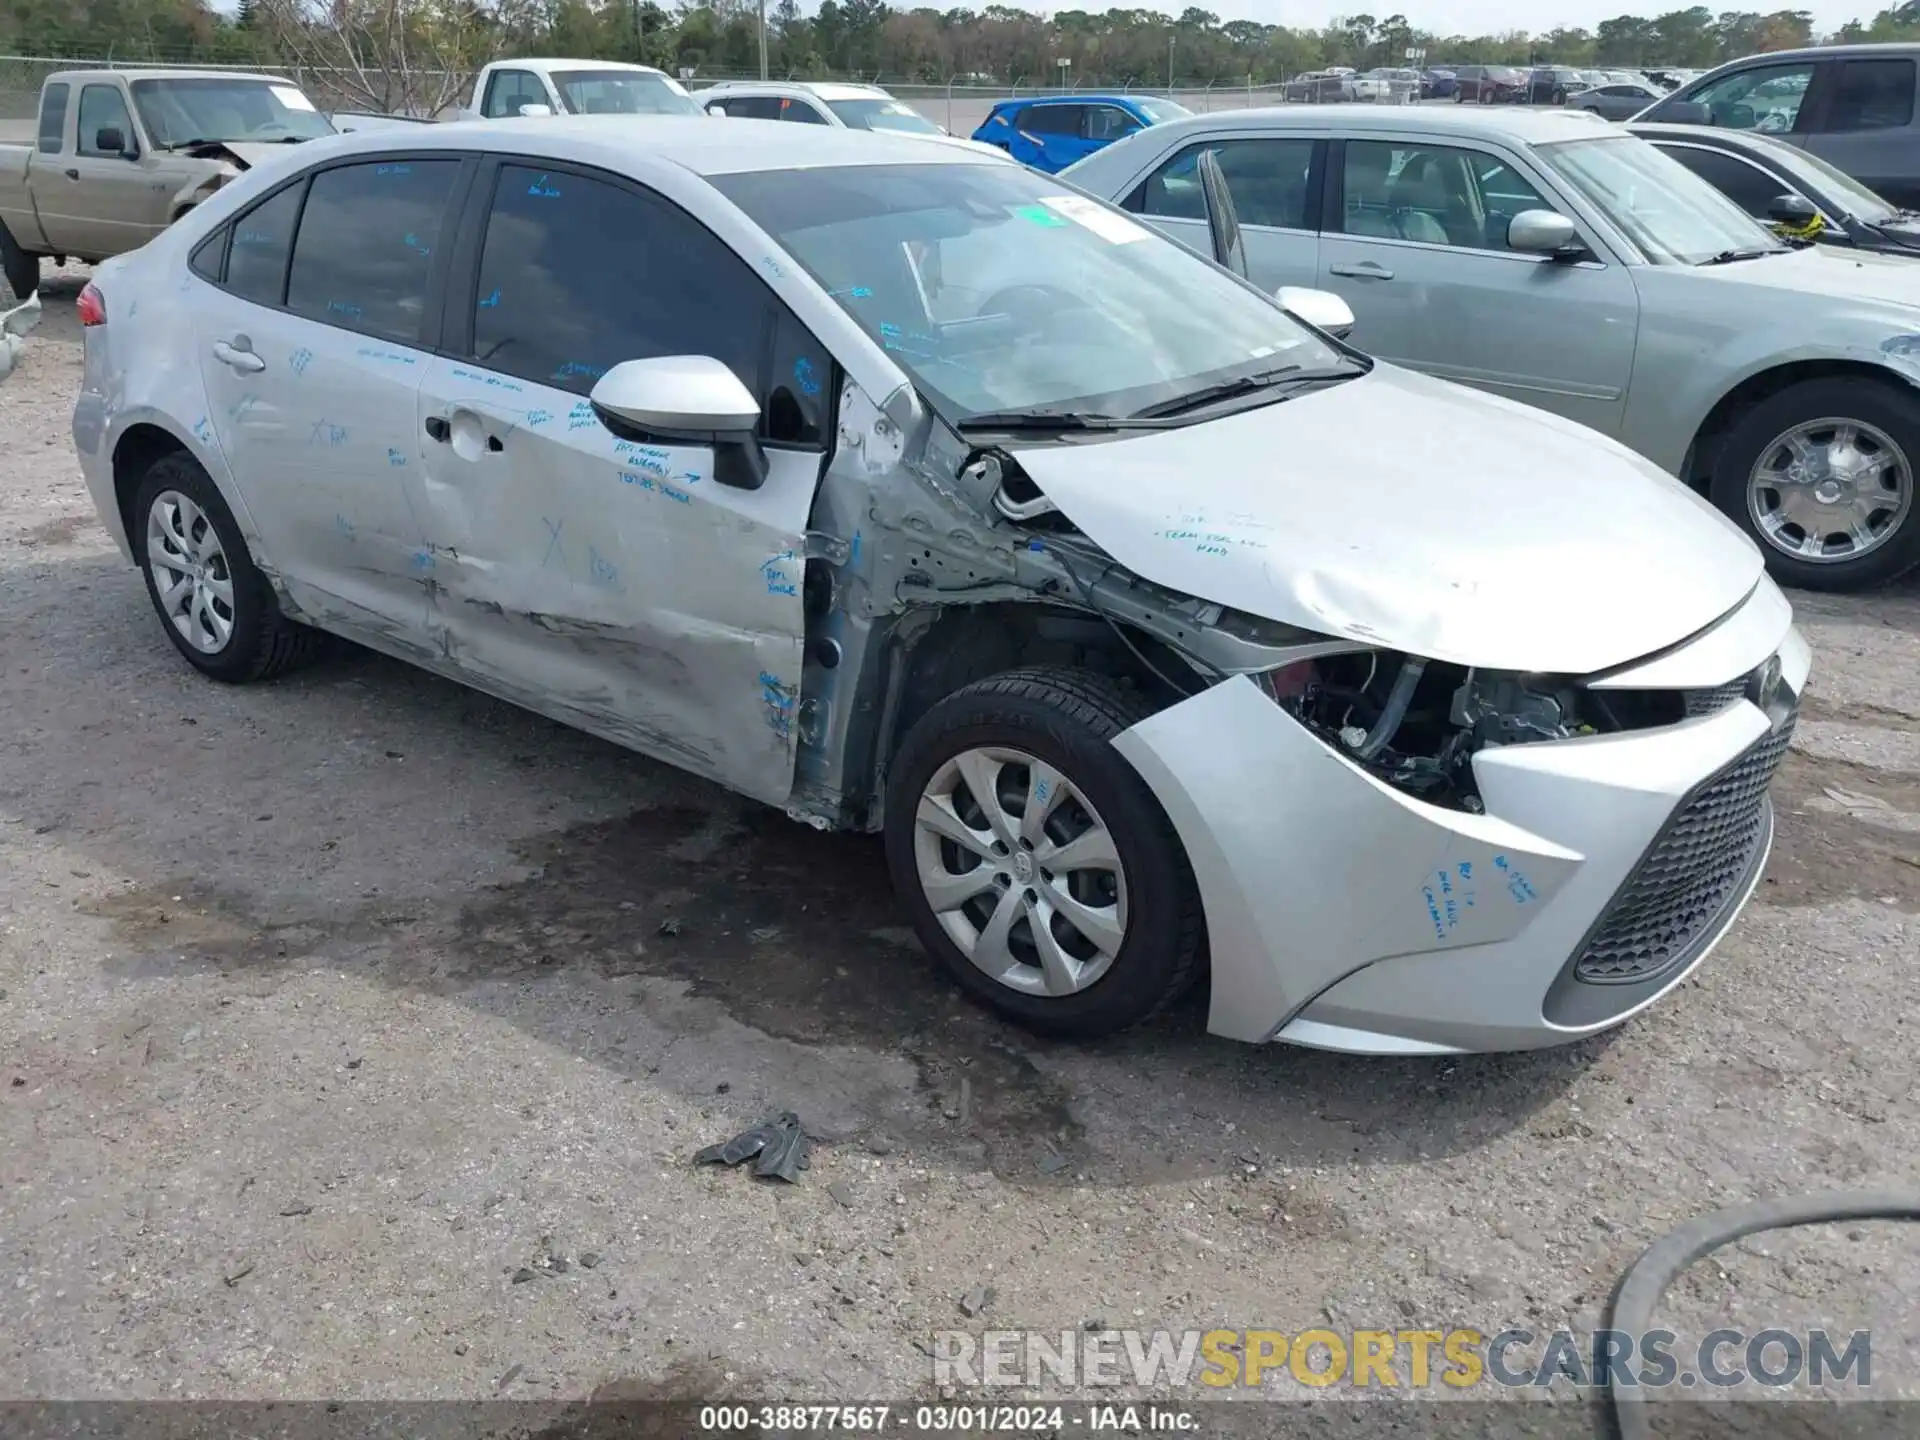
(1553, 259)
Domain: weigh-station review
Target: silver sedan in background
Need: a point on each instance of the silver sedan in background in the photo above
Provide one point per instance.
(1617, 100)
(1550, 257)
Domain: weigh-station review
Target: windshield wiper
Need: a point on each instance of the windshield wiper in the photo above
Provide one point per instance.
(1052, 421)
(1291, 375)
(1727, 257)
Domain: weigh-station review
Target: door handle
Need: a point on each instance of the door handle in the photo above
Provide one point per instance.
(438, 429)
(73, 174)
(241, 359)
(1362, 270)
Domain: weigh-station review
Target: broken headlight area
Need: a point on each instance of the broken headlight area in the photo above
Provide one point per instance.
(1417, 724)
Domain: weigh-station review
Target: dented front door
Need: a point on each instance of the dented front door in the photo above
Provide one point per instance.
(612, 585)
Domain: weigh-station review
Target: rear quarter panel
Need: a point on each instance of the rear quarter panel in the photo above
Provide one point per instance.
(17, 212)
(141, 370)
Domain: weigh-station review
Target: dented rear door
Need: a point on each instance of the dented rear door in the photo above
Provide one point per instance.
(616, 586)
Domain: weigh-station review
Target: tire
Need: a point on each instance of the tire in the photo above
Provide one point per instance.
(1065, 719)
(21, 269)
(259, 642)
(1888, 419)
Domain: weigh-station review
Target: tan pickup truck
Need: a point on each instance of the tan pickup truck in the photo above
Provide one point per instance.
(121, 154)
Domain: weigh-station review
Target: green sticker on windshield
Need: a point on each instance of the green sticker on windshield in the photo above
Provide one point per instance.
(1039, 215)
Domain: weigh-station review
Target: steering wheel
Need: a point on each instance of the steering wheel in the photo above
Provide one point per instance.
(1031, 306)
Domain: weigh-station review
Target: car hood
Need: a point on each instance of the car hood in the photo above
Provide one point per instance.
(1824, 270)
(1409, 513)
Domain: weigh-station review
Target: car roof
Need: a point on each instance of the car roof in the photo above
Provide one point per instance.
(1714, 137)
(692, 142)
(128, 74)
(1525, 126)
(819, 89)
(525, 62)
(1078, 97)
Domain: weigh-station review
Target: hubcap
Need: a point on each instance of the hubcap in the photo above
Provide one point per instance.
(190, 572)
(1020, 871)
(1830, 490)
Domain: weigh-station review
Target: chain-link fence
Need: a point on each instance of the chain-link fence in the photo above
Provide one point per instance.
(960, 107)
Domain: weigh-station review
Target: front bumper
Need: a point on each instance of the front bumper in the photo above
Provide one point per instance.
(1346, 915)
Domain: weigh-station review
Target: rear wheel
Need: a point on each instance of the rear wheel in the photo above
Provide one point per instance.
(1035, 863)
(1822, 476)
(21, 269)
(215, 605)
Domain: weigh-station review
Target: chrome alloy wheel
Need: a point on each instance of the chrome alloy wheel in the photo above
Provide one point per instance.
(1020, 871)
(190, 571)
(1830, 490)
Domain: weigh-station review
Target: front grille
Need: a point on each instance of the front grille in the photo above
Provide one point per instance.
(1686, 879)
(1713, 701)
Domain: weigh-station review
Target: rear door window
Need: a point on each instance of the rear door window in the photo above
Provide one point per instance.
(262, 241)
(801, 112)
(752, 107)
(1268, 180)
(365, 245)
(53, 119)
(1052, 119)
(1872, 95)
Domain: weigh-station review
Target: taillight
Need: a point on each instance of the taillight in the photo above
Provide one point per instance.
(91, 306)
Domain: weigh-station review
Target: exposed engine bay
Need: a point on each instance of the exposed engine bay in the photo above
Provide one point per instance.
(1417, 725)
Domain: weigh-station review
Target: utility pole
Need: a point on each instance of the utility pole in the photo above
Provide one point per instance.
(1170, 67)
(763, 39)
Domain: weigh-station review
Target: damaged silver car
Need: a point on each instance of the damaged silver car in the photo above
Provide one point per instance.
(913, 493)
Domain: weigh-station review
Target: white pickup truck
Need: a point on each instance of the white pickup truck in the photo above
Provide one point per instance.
(122, 154)
(507, 88)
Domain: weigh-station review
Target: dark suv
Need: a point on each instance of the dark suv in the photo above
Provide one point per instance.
(1488, 84)
(1552, 84)
(1852, 105)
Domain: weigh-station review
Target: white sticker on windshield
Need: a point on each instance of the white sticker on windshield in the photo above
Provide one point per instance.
(1114, 229)
(290, 97)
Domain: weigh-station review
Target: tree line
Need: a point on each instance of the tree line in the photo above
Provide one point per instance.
(995, 45)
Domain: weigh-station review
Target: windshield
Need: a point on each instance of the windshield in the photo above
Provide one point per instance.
(178, 111)
(622, 92)
(886, 114)
(998, 289)
(1161, 111)
(1674, 216)
(1853, 197)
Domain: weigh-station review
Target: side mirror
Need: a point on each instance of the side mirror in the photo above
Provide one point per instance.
(686, 400)
(1321, 309)
(536, 110)
(1543, 232)
(1792, 209)
(110, 140)
(1684, 112)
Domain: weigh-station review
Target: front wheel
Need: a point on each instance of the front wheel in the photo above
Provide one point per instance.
(1822, 477)
(215, 605)
(1034, 862)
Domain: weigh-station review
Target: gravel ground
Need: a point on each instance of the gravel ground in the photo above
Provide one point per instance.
(335, 1013)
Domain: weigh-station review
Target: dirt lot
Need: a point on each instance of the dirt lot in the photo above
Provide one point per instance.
(334, 1011)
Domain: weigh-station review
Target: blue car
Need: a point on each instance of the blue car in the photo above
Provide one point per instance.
(1050, 132)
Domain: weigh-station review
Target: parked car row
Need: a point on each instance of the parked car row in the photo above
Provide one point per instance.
(832, 464)
(1781, 382)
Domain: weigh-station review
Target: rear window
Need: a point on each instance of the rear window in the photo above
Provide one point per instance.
(53, 118)
(1873, 95)
(366, 237)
